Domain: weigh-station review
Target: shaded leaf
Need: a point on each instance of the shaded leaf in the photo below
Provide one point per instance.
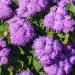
(36, 65)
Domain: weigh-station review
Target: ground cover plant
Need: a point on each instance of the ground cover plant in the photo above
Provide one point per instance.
(37, 37)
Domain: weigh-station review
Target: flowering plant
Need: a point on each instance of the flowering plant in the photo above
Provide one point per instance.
(37, 37)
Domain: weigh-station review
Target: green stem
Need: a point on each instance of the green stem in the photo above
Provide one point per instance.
(66, 39)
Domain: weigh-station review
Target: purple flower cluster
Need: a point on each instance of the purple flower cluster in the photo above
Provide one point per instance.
(63, 68)
(20, 31)
(24, 73)
(66, 1)
(6, 2)
(5, 10)
(30, 7)
(69, 52)
(47, 50)
(55, 59)
(4, 52)
(58, 19)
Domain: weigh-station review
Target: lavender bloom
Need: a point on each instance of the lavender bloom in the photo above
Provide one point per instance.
(72, 60)
(58, 20)
(24, 73)
(51, 70)
(55, 59)
(46, 49)
(67, 67)
(73, 1)
(21, 31)
(6, 2)
(30, 7)
(65, 1)
(5, 11)
(2, 43)
(58, 69)
(4, 52)
(70, 50)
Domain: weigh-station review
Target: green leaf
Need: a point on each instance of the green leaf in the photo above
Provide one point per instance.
(0, 70)
(49, 32)
(14, 4)
(36, 65)
(3, 28)
(29, 59)
(41, 73)
(5, 71)
(66, 39)
(61, 35)
(11, 73)
(71, 8)
(10, 69)
(21, 50)
(18, 66)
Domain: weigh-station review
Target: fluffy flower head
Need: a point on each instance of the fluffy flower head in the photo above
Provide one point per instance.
(4, 52)
(21, 31)
(30, 7)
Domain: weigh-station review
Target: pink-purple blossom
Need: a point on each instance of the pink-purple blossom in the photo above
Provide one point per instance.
(4, 52)
(59, 20)
(5, 9)
(46, 49)
(30, 7)
(21, 32)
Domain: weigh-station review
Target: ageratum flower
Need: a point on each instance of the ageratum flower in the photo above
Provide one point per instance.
(53, 56)
(46, 49)
(5, 11)
(30, 7)
(58, 20)
(65, 1)
(73, 1)
(51, 70)
(21, 31)
(4, 52)
(62, 68)
(6, 2)
(69, 52)
(72, 59)
(24, 73)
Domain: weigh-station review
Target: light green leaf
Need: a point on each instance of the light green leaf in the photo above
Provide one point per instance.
(71, 8)
(41, 73)
(36, 65)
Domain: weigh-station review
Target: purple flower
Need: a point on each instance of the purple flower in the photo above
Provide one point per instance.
(4, 52)
(24, 73)
(64, 68)
(2, 43)
(46, 49)
(62, 1)
(5, 11)
(30, 7)
(53, 56)
(58, 20)
(51, 70)
(69, 50)
(21, 31)
(6, 2)
(60, 71)
(72, 59)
